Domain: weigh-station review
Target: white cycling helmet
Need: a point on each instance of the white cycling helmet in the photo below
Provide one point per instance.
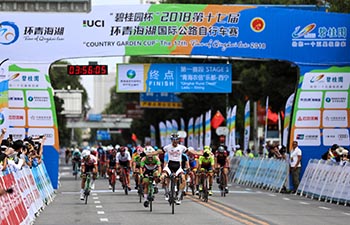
(85, 153)
(149, 149)
(190, 148)
(117, 147)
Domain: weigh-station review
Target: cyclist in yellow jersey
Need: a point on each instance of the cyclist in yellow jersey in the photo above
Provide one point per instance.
(206, 163)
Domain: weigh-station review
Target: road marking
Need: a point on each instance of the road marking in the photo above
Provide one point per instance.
(304, 203)
(348, 214)
(272, 195)
(99, 206)
(100, 212)
(104, 219)
(95, 198)
(97, 202)
(287, 199)
(66, 168)
(229, 212)
(321, 207)
(94, 194)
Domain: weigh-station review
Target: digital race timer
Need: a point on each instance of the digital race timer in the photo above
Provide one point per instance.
(87, 69)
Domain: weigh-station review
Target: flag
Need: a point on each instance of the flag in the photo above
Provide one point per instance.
(232, 142)
(217, 120)
(190, 132)
(287, 113)
(175, 126)
(246, 125)
(134, 137)
(207, 139)
(153, 135)
(182, 124)
(162, 133)
(228, 125)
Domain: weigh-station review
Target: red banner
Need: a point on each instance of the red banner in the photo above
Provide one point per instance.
(217, 120)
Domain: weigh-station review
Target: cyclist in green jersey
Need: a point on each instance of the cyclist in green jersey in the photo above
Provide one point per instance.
(149, 166)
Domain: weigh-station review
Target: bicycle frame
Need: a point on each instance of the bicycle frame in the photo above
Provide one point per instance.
(150, 197)
(223, 182)
(87, 187)
(124, 172)
(113, 178)
(204, 194)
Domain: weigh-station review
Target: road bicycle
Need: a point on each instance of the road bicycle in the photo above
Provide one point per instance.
(150, 196)
(87, 188)
(76, 169)
(174, 187)
(112, 178)
(222, 182)
(204, 182)
(123, 177)
(191, 183)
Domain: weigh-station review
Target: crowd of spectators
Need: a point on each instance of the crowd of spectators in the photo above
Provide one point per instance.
(20, 153)
(336, 154)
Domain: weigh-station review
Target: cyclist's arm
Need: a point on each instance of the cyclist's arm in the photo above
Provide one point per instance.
(212, 161)
(193, 152)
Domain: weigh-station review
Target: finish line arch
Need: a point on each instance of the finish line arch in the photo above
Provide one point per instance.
(317, 42)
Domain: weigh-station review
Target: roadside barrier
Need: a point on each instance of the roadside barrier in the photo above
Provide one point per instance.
(326, 181)
(32, 192)
(270, 174)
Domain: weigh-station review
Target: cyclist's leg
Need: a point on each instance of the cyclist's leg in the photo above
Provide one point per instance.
(225, 171)
(127, 174)
(82, 185)
(145, 182)
(164, 178)
(210, 177)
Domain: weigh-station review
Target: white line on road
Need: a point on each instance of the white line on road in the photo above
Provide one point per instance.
(304, 203)
(100, 212)
(104, 219)
(97, 202)
(321, 207)
(95, 198)
(94, 194)
(66, 168)
(99, 206)
(287, 199)
(347, 214)
(272, 195)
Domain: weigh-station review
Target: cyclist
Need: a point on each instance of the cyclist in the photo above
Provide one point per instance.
(76, 158)
(206, 164)
(174, 151)
(222, 160)
(102, 159)
(193, 163)
(150, 165)
(88, 164)
(111, 164)
(124, 159)
(136, 160)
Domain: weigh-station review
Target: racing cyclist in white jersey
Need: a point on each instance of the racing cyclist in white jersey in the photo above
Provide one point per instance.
(123, 159)
(174, 151)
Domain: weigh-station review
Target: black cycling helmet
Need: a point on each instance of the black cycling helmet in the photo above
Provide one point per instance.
(174, 137)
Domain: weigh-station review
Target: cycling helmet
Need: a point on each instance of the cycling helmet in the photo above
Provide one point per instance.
(122, 149)
(221, 149)
(149, 149)
(206, 153)
(207, 148)
(139, 149)
(117, 147)
(85, 153)
(174, 137)
(190, 148)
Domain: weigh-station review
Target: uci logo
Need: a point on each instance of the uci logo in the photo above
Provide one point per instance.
(93, 23)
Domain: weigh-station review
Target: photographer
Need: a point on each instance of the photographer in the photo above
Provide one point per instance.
(4, 191)
(4, 146)
(35, 149)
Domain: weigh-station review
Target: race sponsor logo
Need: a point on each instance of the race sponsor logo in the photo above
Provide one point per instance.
(336, 136)
(38, 99)
(257, 24)
(335, 118)
(326, 81)
(310, 100)
(48, 132)
(93, 23)
(43, 34)
(308, 137)
(17, 117)
(130, 78)
(308, 118)
(16, 98)
(40, 118)
(333, 100)
(9, 33)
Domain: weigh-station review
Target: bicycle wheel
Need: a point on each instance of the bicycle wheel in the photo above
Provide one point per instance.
(140, 192)
(172, 194)
(87, 188)
(75, 170)
(222, 184)
(150, 194)
(205, 189)
(113, 180)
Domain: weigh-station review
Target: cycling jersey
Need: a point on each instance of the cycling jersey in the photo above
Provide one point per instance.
(206, 163)
(90, 164)
(136, 158)
(112, 161)
(123, 158)
(174, 153)
(221, 157)
(101, 154)
(150, 164)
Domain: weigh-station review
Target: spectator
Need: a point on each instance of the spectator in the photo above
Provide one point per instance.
(238, 152)
(4, 191)
(274, 152)
(342, 155)
(295, 165)
(250, 154)
(330, 154)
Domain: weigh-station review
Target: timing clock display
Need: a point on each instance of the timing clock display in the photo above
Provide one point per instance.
(87, 69)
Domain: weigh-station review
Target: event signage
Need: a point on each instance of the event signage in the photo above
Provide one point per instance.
(192, 78)
(160, 100)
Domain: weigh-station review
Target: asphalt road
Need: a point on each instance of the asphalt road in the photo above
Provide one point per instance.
(243, 205)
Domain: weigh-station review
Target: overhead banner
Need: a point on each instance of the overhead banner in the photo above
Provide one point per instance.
(160, 100)
(168, 29)
(184, 78)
